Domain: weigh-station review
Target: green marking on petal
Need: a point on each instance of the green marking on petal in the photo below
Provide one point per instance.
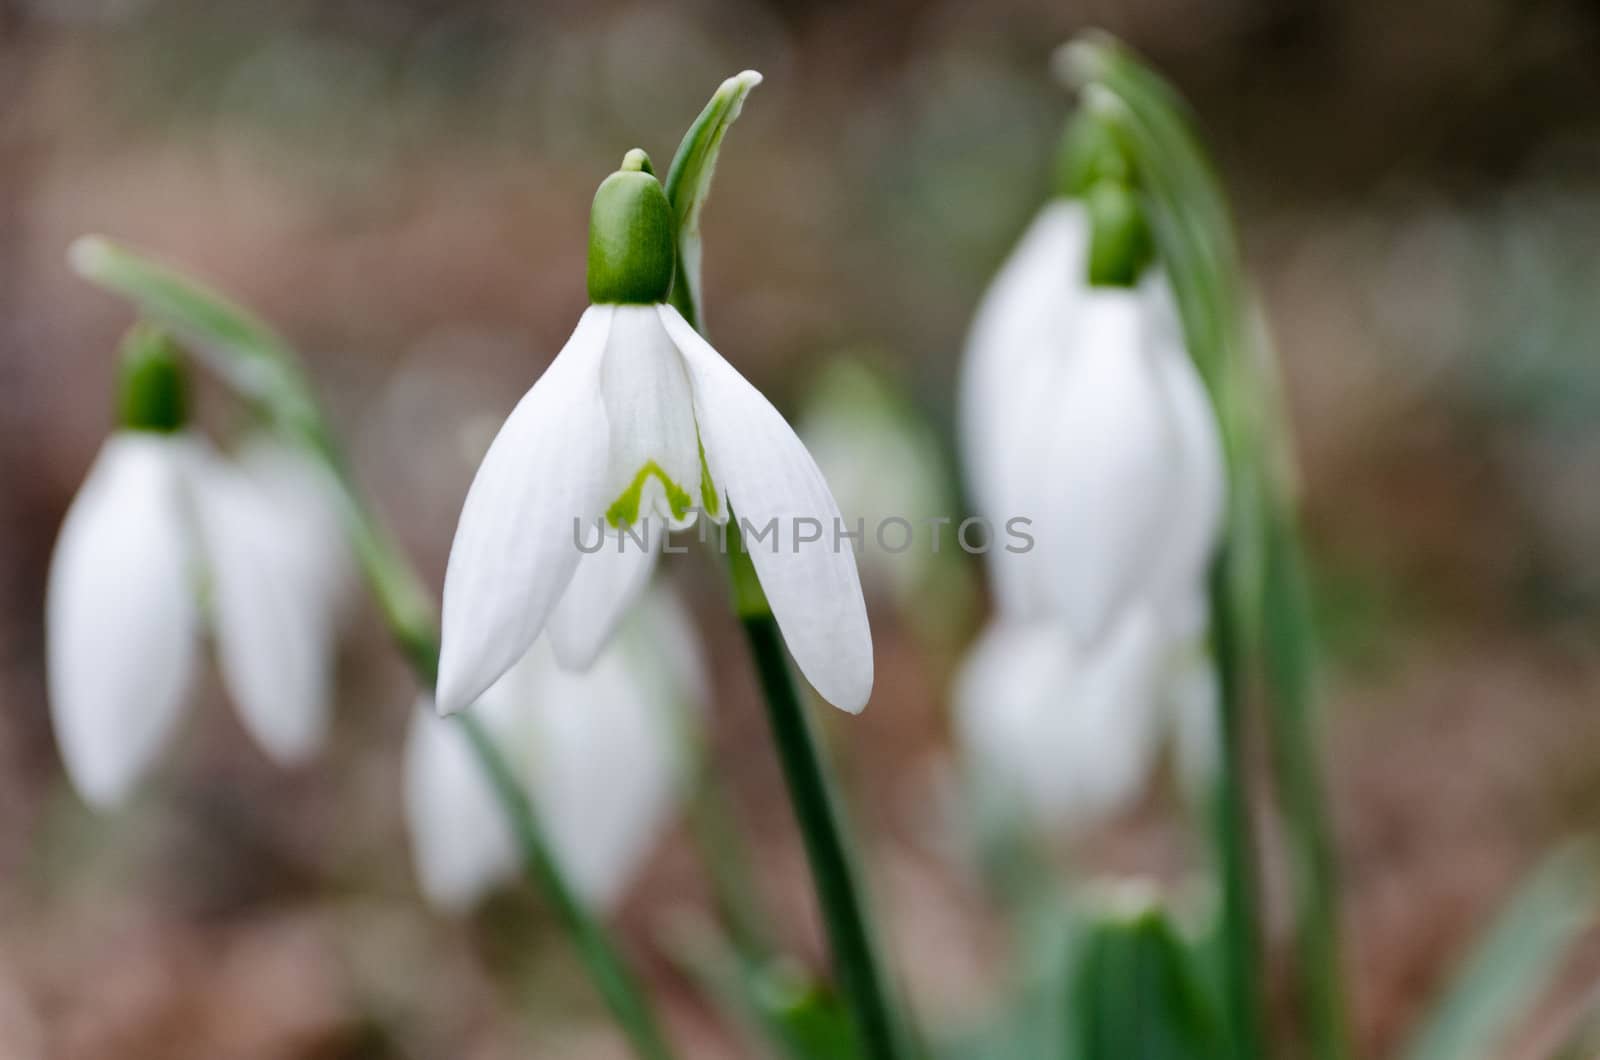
(624, 511)
(709, 502)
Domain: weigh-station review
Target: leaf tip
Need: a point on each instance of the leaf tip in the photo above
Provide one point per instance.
(89, 255)
(1079, 61)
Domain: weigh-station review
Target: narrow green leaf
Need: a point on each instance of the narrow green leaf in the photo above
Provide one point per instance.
(195, 312)
(1512, 963)
(253, 359)
(1135, 993)
(689, 184)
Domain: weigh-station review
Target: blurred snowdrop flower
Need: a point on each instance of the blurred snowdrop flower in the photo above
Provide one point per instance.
(883, 464)
(1083, 412)
(601, 752)
(1071, 737)
(165, 540)
(639, 426)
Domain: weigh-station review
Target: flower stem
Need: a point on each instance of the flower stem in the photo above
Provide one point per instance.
(409, 616)
(1270, 627)
(263, 370)
(816, 808)
(1286, 647)
(1243, 967)
(607, 968)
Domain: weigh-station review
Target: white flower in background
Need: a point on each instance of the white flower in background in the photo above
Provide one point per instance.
(601, 752)
(167, 540)
(1082, 412)
(640, 424)
(883, 464)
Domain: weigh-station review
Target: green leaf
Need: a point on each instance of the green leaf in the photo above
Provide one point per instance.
(1136, 994)
(253, 359)
(689, 184)
(1512, 963)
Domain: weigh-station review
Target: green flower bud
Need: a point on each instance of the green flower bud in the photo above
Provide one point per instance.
(632, 237)
(152, 394)
(1089, 153)
(1119, 242)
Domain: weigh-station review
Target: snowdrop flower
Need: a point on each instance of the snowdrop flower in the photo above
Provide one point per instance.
(161, 523)
(1072, 736)
(1082, 411)
(601, 753)
(882, 462)
(639, 425)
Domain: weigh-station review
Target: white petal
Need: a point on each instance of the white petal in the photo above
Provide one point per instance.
(608, 582)
(273, 621)
(1193, 526)
(651, 413)
(312, 525)
(661, 640)
(121, 616)
(515, 548)
(1016, 329)
(1108, 476)
(813, 587)
(606, 770)
(1071, 738)
(460, 837)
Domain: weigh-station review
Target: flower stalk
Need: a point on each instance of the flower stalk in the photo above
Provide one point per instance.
(1260, 608)
(811, 793)
(839, 892)
(263, 370)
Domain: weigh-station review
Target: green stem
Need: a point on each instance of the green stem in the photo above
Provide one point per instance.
(1195, 236)
(816, 808)
(409, 616)
(610, 973)
(263, 370)
(1243, 967)
(1294, 736)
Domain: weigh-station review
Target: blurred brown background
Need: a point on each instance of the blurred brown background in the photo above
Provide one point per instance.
(402, 188)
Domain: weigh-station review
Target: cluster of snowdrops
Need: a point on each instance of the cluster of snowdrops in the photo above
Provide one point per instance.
(1110, 399)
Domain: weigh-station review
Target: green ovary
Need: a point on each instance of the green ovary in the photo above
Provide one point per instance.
(624, 511)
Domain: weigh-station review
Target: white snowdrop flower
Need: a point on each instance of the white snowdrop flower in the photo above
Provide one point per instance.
(1083, 412)
(1069, 737)
(161, 524)
(883, 464)
(601, 753)
(640, 425)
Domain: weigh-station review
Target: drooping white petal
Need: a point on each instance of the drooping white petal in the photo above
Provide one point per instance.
(881, 462)
(121, 615)
(662, 642)
(605, 768)
(515, 548)
(771, 481)
(1111, 467)
(460, 838)
(1020, 320)
(312, 522)
(1193, 525)
(273, 621)
(607, 583)
(655, 448)
(1069, 736)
